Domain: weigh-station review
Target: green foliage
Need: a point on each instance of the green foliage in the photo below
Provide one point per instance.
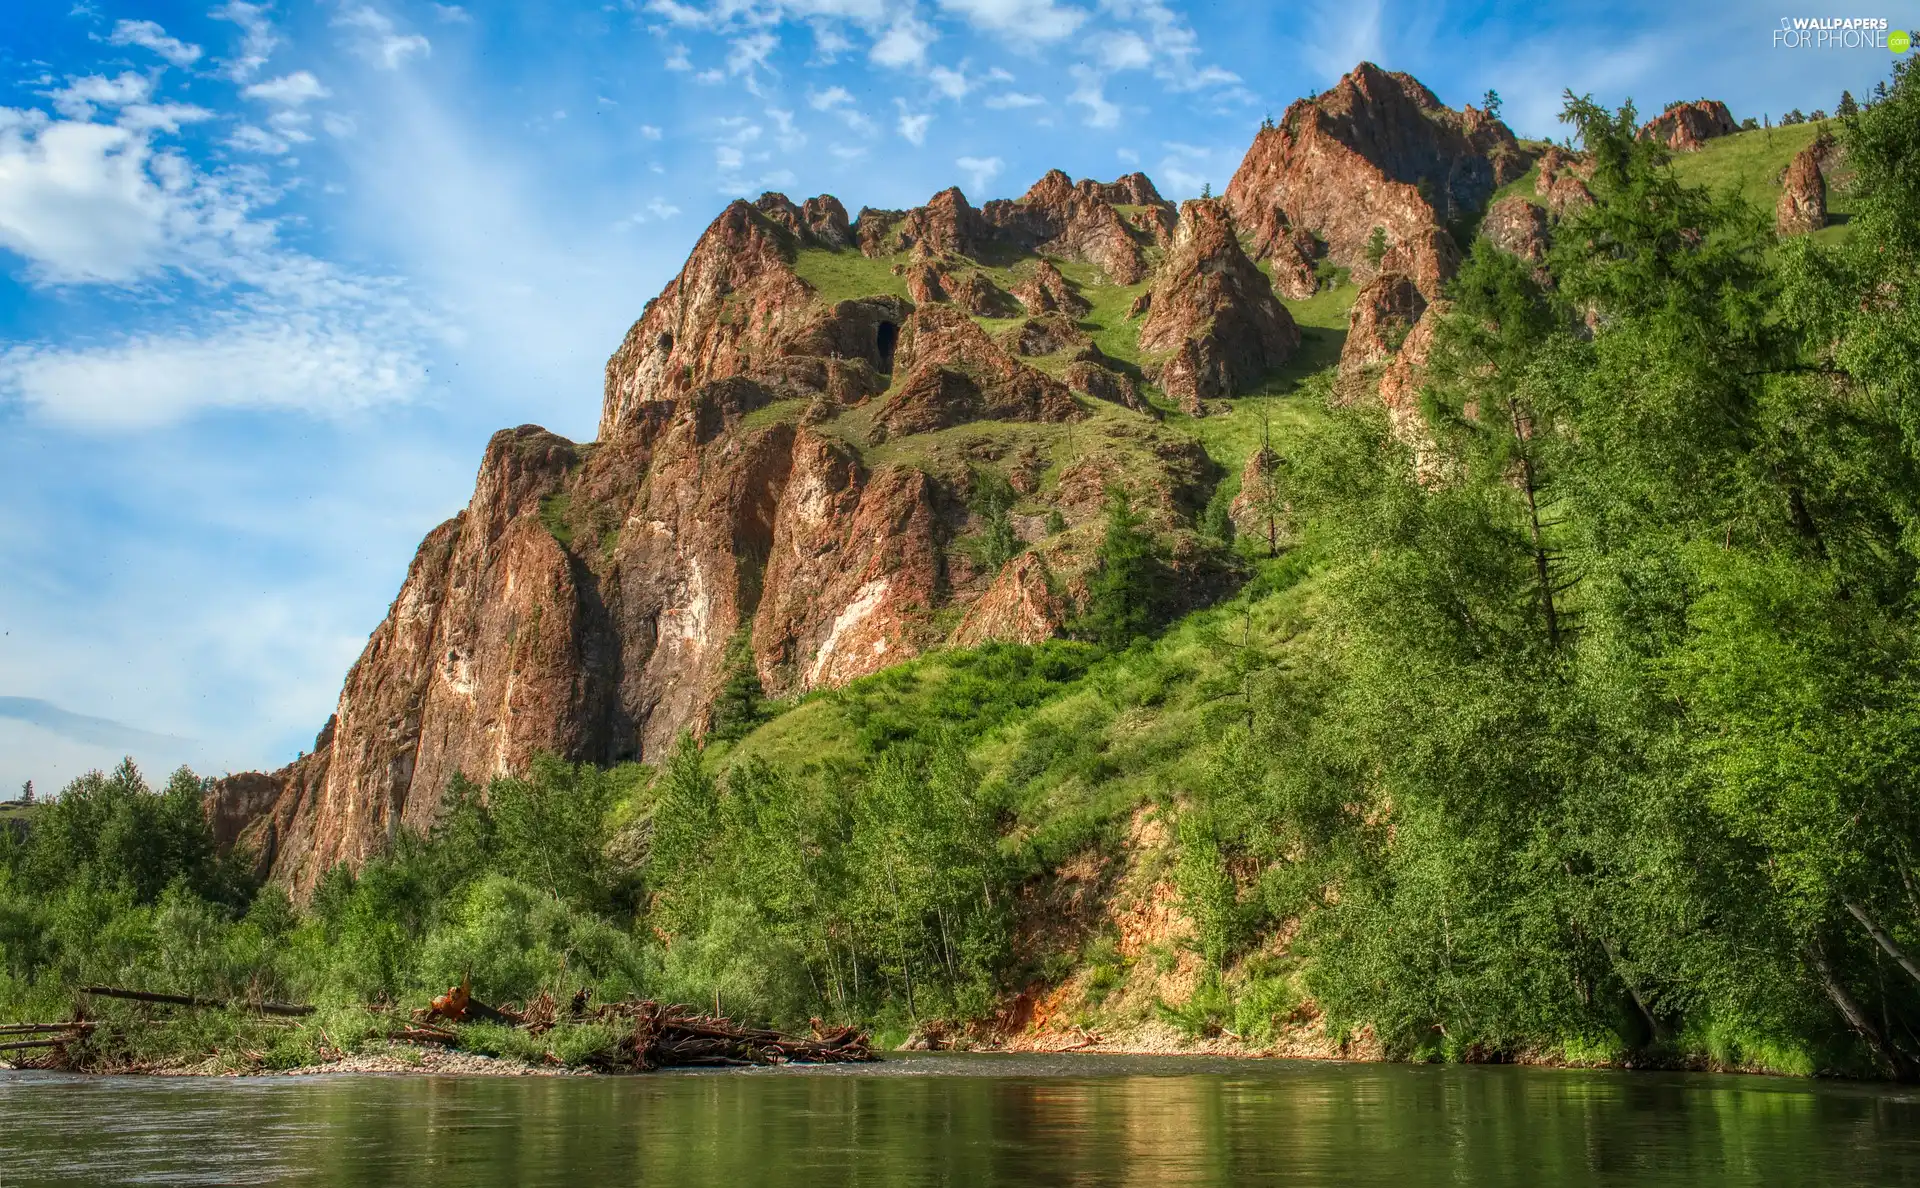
(992, 500)
(741, 703)
(1128, 594)
(555, 511)
(1376, 248)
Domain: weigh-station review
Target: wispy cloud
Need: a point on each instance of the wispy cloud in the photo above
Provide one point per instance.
(150, 35)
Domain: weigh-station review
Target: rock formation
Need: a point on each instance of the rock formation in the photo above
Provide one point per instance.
(590, 599)
(1382, 315)
(1803, 195)
(1215, 311)
(1378, 150)
(1518, 227)
(1684, 127)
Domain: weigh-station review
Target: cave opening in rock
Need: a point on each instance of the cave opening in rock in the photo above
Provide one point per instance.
(888, 336)
(664, 343)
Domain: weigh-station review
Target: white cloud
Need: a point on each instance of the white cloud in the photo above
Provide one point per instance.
(160, 117)
(828, 43)
(1101, 111)
(654, 210)
(338, 126)
(848, 152)
(1040, 20)
(453, 14)
(954, 84)
(903, 44)
(79, 97)
(728, 158)
(649, 132)
(149, 35)
(750, 53)
(249, 139)
(828, 99)
(380, 42)
(314, 365)
(711, 77)
(77, 201)
(292, 90)
(1013, 99)
(1120, 50)
(257, 38)
(790, 138)
(980, 170)
(1128, 156)
(677, 59)
(911, 126)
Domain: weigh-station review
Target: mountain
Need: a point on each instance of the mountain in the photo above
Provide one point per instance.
(832, 444)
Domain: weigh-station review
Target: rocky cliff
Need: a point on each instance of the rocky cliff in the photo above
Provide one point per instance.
(1684, 127)
(805, 442)
(1377, 151)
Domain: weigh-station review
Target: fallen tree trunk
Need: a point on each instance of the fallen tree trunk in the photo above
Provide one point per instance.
(288, 1009)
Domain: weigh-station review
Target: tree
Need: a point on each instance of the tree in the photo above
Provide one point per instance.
(26, 793)
(1792, 117)
(1490, 103)
(1377, 246)
(1206, 190)
(1127, 594)
(1819, 114)
(1847, 108)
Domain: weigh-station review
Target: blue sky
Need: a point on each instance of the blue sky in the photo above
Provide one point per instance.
(271, 274)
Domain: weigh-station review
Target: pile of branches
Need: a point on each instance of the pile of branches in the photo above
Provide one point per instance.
(679, 1036)
(652, 1035)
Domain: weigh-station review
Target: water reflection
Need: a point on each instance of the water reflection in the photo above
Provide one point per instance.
(939, 1120)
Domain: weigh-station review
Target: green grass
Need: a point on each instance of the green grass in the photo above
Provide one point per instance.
(1749, 163)
(847, 274)
(1106, 323)
(779, 412)
(554, 513)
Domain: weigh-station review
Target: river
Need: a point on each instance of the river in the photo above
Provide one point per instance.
(967, 1120)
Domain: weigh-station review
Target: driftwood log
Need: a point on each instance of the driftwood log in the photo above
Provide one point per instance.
(287, 1009)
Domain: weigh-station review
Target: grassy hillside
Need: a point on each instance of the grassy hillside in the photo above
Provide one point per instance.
(1749, 163)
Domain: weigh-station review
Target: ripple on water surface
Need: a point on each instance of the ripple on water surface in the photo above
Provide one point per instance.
(941, 1119)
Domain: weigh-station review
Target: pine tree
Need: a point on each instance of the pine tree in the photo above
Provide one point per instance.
(1377, 246)
(26, 793)
(1847, 108)
(1490, 103)
(1206, 189)
(1127, 593)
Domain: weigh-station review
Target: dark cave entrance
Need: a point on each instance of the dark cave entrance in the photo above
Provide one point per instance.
(888, 336)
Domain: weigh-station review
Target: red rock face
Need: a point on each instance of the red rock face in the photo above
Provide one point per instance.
(1378, 150)
(1383, 312)
(1045, 291)
(1215, 311)
(1684, 127)
(1022, 606)
(584, 601)
(1803, 196)
(1519, 228)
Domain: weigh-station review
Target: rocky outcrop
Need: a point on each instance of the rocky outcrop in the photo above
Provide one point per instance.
(1518, 227)
(1259, 510)
(1215, 311)
(1684, 127)
(1378, 150)
(955, 373)
(591, 600)
(1383, 313)
(930, 280)
(1802, 207)
(1056, 218)
(1101, 383)
(1022, 606)
(1043, 291)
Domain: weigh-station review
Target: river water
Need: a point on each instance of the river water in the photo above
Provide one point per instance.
(967, 1120)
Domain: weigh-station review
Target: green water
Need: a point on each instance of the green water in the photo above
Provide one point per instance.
(968, 1120)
